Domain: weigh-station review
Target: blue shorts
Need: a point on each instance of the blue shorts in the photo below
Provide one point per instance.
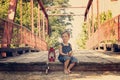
(64, 58)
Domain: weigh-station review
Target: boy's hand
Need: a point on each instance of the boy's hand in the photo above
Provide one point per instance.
(70, 53)
(67, 54)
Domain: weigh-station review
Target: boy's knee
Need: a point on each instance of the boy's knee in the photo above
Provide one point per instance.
(67, 58)
(74, 60)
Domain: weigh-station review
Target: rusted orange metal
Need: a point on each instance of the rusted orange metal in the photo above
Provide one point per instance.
(52, 8)
(87, 9)
(32, 16)
(11, 16)
(114, 0)
(38, 22)
(42, 7)
(28, 39)
(15, 35)
(66, 14)
(8, 26)
(46, 17)
(119, 29)
(107, 31)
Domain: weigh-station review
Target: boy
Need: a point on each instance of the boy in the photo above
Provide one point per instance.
(65, 53)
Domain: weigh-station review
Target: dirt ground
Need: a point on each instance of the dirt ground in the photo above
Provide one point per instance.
(59, 75)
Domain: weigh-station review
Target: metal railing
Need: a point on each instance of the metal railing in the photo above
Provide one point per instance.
(23, 37)
(109, 31)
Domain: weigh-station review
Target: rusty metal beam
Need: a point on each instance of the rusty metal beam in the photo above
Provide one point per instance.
(119, 29)
(38, 21)
(87, 9)
(98, 20)
(114, 0)
(45, 13)
(65, 7)
(7, 35)
(92, 16)
(65, 14)
(21, 20)
(11, 16)
(42, 8)
(32, 16)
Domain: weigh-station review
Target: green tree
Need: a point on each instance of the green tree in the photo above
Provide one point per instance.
(105, 16)
(4, 4)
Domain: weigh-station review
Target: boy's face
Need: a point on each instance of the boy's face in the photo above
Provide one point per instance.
(65, 37)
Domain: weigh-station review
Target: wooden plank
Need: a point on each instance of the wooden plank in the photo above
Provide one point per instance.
(88, 61)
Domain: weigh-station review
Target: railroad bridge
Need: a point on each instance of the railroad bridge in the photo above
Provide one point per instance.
(16, 39)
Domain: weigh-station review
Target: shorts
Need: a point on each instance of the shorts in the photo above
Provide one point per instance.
(64, 58)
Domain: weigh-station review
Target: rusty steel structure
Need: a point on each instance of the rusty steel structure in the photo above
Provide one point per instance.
(28, 39)
(61, 14)
(110, 30)
(106, 33)
(18, 35)
(87, 9)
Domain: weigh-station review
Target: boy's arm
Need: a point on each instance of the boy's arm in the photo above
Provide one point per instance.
(60, 51)
(71, 52)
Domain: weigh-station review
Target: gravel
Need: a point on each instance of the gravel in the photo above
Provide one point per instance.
(59, 75)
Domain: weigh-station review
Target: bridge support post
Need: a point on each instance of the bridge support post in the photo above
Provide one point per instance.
(38, 23)
(105, 47)
(9, 26)
(98, 20)
(32, 16)
(119, 29)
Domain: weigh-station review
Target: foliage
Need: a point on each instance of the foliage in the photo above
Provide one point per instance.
(26, 14)
(57, 3)
(4, 4)
(57, 23)
(53, 40)
(104, 16)
(81, 41)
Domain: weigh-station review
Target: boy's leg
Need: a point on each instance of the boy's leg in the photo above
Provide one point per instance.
(66, 63)
(73, 62)
(71, 66)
